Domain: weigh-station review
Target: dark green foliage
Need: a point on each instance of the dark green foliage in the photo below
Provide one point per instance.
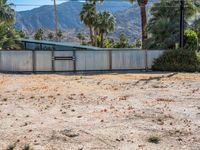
(27, 147)
(178, 60)
(105, 23)
(109, 43)
(11, 147)
(191, 40)
(196, 27)
(8, 35)
(9, 38)
(154, 139)
(50, 36)
(39, 34)
(163, 26)
(123, 42)
(81, 37)
(138, 43)
(22, 34)
(59, 35)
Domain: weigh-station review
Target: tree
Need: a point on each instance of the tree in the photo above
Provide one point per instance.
(95, 32)
(105, 23)
(88, 17)
(163, 26)
(81, 37)
(22, 34)
(39, 34)
(9, 37)
(123, 42)
(60, 35)
(50, 35)
(7, 14)
(196, 27)
(142, 4)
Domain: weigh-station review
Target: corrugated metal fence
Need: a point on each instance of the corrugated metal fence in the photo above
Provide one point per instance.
(77, 60)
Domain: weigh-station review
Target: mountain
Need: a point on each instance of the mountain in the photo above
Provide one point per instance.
(127, 18)
(68, 15)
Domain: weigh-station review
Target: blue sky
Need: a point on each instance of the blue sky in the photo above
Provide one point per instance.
(25, 4)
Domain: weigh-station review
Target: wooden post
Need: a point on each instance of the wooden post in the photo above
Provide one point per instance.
(55, 19)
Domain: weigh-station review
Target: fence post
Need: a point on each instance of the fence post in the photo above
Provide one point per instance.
(74, 59)
(110, 60)
(33, 60)
(52, 60)
(146, 60)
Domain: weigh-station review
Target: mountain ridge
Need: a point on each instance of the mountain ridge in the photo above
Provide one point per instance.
(127, 18)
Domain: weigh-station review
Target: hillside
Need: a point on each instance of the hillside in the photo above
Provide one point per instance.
(127, 18)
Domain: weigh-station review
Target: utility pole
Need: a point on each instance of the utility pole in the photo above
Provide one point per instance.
(55, 19)
(182, 22)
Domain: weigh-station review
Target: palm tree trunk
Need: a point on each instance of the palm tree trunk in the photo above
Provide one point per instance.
(102, 39)
(95, 37)
(95, 32)
(91, 35)
(143, 22)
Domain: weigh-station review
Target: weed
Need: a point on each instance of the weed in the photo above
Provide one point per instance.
(154, 139)
(27, 147)
(11, 147)
(5, 99)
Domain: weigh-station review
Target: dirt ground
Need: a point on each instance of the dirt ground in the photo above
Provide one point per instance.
(133, 111)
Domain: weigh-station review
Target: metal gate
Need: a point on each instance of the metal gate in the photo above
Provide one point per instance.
(63, 61)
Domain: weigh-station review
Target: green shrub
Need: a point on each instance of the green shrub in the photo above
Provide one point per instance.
(178, 60)
(109, 43)
(11, 146)
(190, 40)
(154, 139)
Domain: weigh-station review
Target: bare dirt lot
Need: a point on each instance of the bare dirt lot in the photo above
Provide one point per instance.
(110, 111)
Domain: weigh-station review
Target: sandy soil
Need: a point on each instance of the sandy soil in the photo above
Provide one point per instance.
(110, 111)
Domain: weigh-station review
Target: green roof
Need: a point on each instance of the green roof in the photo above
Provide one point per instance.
(58, 44)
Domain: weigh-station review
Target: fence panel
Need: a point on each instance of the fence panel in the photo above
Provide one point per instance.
(43, 60)
(16, 61)
(128, 59)
(63, 65)
(92, 60)
(77, 60)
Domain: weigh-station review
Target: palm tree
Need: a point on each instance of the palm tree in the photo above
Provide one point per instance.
(87, 16)
(39, 34)
(163, 27)
(9, 37)
(81, 37)
(105, 23)
(59, 35)
(50, 35)
(7, 14)
(142, 4)
(94, 2)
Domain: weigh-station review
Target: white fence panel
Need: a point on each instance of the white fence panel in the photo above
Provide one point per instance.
(43, 61)
(128, 59)
(63, 65)
(92, 60)
(16, 61)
